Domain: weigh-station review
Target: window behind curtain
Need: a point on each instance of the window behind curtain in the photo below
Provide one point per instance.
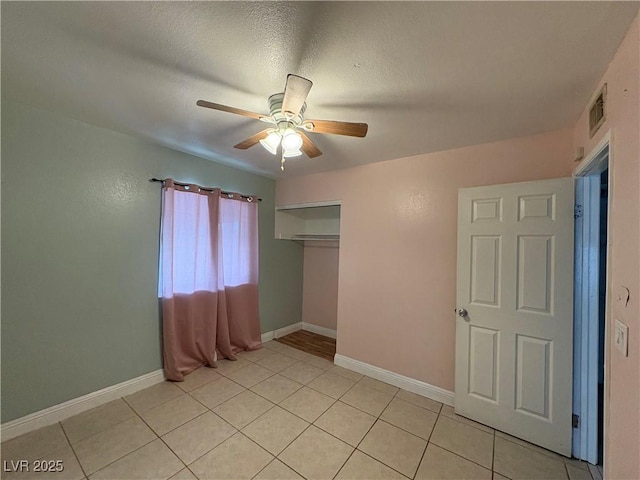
(192, 263)
(238, 232)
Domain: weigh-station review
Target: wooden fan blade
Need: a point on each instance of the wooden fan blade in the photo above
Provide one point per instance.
(339, 128)
(251, 141)
(295, 93)
(224, 108)
(308, 147)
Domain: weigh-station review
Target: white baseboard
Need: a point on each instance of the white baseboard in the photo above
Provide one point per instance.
(281, 332)
(59, 412)
(268, 336)
(416, 386)
(327, 332)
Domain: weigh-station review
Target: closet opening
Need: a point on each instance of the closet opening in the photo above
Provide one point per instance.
(317, 228)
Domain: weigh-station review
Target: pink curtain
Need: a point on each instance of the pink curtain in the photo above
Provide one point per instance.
(208, 277)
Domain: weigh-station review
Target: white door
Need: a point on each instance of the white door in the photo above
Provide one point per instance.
(514, 346)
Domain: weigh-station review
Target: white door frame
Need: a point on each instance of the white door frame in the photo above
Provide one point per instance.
(586, 322)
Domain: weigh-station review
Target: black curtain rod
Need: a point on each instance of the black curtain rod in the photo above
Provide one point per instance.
(162, 180)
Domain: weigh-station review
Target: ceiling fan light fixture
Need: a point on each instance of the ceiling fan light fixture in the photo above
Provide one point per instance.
(292, 153)
(291, 141)
(271, 142)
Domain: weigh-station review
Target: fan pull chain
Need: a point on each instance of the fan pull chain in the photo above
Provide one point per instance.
(282, 163)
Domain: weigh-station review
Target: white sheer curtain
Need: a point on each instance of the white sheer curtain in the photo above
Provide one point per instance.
(187, 258)
(238, 232)
(208, 277)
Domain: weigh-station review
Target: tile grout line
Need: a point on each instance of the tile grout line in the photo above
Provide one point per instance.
(263, 468)
(197, 416)
(324, 371)
(135, 414)
(458, 418)
(296, 437)
(224, 401)
(376, 419)
(297, 390)
(110, 426)
(535, 448)
(205, 453)
(173, 430)
(132, 451)
(346, 461)
(277, 457)
(332, 435)
(493, 455)
(275, 404)
(315, 390)
(380, 461)
(465, 458)
(246, 389)
(302, 385)
(312, 423)
(161, 403)
(209, 410)
(73, 450)
(566, 471)
(160, 437)
(412, 434)
(98, 433)
(363, 437)
(458, 454)
(428, 442)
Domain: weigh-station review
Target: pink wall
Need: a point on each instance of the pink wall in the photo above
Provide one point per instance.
(622, 454)
(320, 284)
(397, 278)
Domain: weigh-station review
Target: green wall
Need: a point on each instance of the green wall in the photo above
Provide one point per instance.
(80, 229)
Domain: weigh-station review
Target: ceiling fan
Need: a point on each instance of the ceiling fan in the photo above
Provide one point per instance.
(286, 114)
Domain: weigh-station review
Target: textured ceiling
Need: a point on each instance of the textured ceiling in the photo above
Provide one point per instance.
(425, 76)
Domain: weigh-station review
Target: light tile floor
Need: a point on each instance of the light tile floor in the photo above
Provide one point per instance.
(279, 413)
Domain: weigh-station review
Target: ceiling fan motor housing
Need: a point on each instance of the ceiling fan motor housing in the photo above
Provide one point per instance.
(282, 119)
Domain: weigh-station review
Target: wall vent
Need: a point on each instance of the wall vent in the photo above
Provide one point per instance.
(597, 111)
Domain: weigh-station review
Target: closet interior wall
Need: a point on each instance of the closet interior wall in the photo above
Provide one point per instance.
(320, 284)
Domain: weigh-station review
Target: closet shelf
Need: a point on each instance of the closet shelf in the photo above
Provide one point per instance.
(316, 237)
(308, 223)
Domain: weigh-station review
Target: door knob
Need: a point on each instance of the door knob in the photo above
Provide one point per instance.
(462, 313)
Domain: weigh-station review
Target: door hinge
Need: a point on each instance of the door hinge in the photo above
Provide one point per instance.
(575, 421)
(577, 211)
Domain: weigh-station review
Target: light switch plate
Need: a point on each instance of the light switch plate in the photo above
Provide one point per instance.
(621, 337)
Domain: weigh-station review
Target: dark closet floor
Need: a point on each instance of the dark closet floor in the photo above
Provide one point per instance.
(312, 343)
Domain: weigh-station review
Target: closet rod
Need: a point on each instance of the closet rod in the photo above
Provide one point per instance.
(162, 180)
